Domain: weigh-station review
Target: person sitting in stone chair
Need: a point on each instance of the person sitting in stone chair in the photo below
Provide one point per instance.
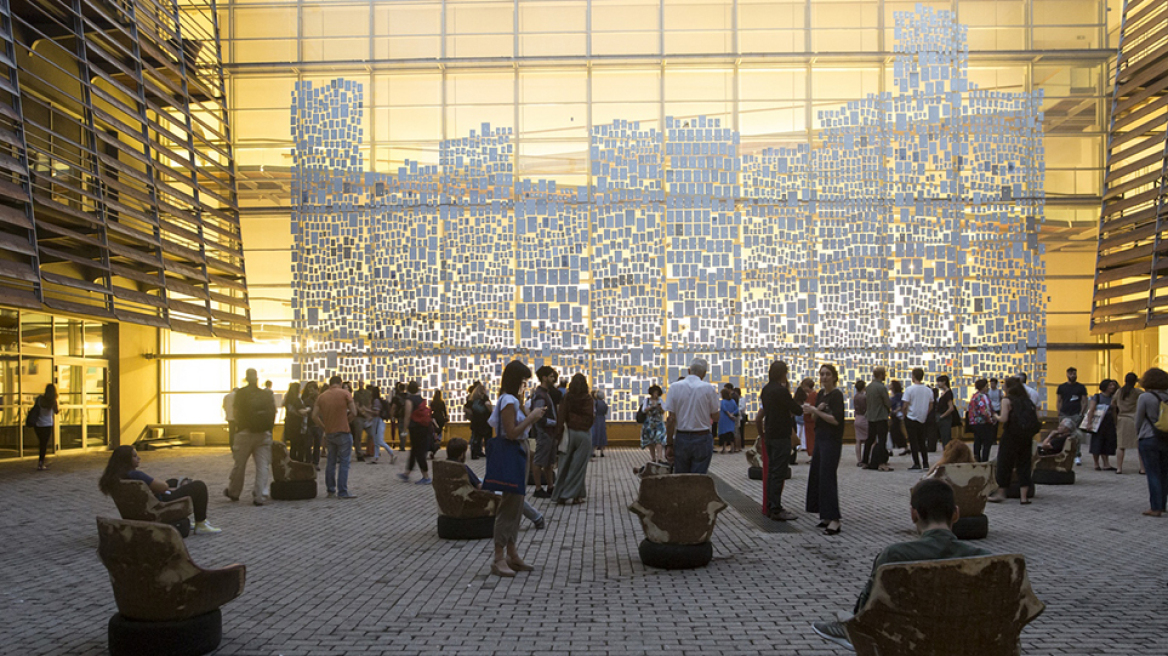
(456, 452)
(934, 510)
(1056, 439)
(956, 452)
(123, 465)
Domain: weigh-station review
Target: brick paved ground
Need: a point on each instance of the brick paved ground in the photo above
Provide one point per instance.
(370, 576)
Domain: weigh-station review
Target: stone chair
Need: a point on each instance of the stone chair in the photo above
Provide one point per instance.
(291, 480)
(464, 513)
(754, 460)
(677, 512)
(135, 501)
(166, 603)
(972, 484)
(957, 607)
(1058, 469)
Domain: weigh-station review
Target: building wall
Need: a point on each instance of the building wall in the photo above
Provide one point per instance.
(138, 390)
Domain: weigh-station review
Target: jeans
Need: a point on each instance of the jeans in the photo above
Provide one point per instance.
(875, 453)
(419, 448)
(822, 484)
(916, 442)
(1154, 456)
(692, 452)
(376, 428)
(197, 492)
(248, 445)
(317, 438)
(776, 469)
(340, 450)
(983, 439)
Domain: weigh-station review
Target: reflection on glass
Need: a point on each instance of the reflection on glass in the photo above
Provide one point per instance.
(94, 340)
(70, 379)
(35, 332)
(9, 331)
(96, 434)
(95, 385)
(67, 337)
(69, 423)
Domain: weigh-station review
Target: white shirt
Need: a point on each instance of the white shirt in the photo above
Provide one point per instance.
(917, 399)
(693, 401)
(1033, 395)
(505, 400)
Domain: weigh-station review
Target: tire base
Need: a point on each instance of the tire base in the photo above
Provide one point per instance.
(675, 556)
(475, 528)
(293, 490)
(1052, 477)
(190, 637)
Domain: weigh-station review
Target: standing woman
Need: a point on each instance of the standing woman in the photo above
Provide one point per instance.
(478, 412)
(1125, 421)
(981, 419)
(294, 433)
(727, 419)
(896, 418)
(1103, 440)
(579, 413)
(45, 409)
(315, 434)
(808, 386)
(377, 426)
(510, 423)
(441, 418)
(1015, 449)
(653, 430)
(860, 406)
(822, 486)
(599, 428)
(946, 411)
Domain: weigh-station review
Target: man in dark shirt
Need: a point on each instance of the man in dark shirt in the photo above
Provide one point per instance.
(934, 510)
(545, 431)
(775, 422)
(1069, 402)
(255, 413)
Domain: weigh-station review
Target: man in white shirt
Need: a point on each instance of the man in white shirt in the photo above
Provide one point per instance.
(1031, 391)
(692, 406)
(918, 403)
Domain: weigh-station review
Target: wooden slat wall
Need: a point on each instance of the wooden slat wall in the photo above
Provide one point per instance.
(117, 182)
(1131, 273)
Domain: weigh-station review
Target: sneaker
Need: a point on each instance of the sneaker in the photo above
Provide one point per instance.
(1078, 461)
(541, 494)
(228, 495)
(373, 462)
(205, 527)
(539, 523)
(915, 468)
(404, 477)
(258, 502)
(331, 495)
(835, 632)
(346, 496)
(422, 481)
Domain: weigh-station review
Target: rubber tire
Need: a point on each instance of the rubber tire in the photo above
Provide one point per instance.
(755, 473)
(675, 556)
(475, 528)
(293, 490)
(1012, 492)
(183, 526)
(1052, 477)
(190, 637)
(972, 528)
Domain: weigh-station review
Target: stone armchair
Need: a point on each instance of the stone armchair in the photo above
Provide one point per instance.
(135, 501)
(972, 484)
(291, 480)
(677, 512)
(957, 607)
(1058, 469)
(464, 512)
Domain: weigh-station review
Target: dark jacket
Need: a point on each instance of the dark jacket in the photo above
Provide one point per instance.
(937, 544)
(578, 412)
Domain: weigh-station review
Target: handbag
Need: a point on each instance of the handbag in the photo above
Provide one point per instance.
(506, 466)
(641, 414)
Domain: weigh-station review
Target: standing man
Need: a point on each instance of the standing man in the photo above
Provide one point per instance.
(363, 398)
(918, 401)
(545, 431)
(333, 410)
(775, 422)
(875, 454)
(1069, 402)
(229, 413)
(1032, 392)
(693, 406)
(255, 414)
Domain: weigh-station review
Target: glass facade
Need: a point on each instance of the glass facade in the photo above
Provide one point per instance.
(37, 349)
(551, 70)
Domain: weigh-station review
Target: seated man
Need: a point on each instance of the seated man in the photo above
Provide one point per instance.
(1057, 439)
(934, 510)
(456, 451)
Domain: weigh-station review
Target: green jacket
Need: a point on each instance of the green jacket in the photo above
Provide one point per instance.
(936, 544)
(878, 403)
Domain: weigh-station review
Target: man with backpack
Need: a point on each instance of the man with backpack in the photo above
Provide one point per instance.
(255, 414)
(417, 419)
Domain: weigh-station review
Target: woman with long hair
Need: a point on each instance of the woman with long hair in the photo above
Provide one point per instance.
(123, 465)
(315, 434)
(1103, 441)
(981, 419)
(600, 425)
(45, 409)
(377, 427)
(822, 484)
(510, 423)
(1153, 447)
(806, 394)
(441, 417)
(1125, 422)
(578, 411)
(1015, 447)
(295, 435)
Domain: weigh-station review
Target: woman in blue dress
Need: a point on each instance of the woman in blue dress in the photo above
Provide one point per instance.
(653, 430)
(599, 430)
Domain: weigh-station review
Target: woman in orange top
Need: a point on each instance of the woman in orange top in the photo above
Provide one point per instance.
(806, 394)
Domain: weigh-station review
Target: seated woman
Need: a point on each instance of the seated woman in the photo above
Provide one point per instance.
(123, 465)
(956, 452)
(1056, 439)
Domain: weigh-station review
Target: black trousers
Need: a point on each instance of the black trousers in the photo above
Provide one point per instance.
(822, 482)
(316, 437)
(477, 441)
(296, 441)
(196, 490)
(983, 439)
(776, 466)
(1014, 454)
(44, 437)
(875, 452)
(896, 427)
(419, 448)
(916, 442)
(932, 435)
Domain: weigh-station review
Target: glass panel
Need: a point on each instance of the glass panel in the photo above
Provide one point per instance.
(67, 337)
(276, 370)
(95, 385)
(196, 375)
(70, 384)
(9, 331)
(35, 332)
(94, 340)
(203, 408)
(96, 434)
(173, 342)
(36, 373)
(70, 427)
(11, 417)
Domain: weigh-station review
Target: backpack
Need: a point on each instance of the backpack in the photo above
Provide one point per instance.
(1026, 420)
(1160, 426)
(421, 414)
(386, 409)
(255, 410)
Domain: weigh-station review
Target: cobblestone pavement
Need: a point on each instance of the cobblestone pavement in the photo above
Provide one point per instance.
(370, 576)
